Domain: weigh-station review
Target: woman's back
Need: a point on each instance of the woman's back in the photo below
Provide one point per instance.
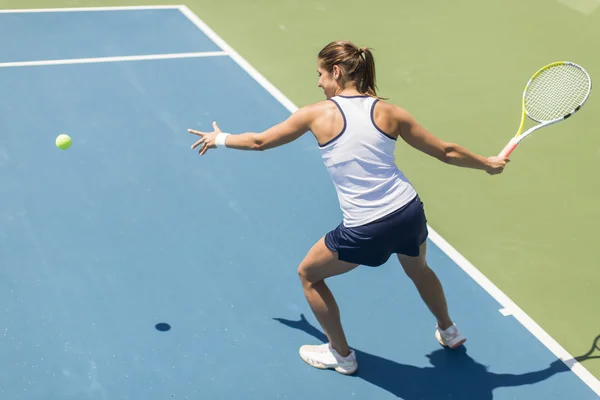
(360, 160)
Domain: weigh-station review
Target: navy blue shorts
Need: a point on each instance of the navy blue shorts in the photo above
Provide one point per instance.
(400, 232)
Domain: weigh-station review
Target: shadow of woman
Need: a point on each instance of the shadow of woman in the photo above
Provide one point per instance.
(453, 374)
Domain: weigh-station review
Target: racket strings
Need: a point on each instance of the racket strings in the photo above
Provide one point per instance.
(556, 92)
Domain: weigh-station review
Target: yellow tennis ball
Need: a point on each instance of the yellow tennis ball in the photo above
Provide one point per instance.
(63, 141)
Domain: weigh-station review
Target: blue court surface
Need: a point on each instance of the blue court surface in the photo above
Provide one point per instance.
(130, 228)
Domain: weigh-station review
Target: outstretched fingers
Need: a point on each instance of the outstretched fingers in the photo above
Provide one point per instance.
(199, 141)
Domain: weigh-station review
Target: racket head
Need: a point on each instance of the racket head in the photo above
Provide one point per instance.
(556, 91)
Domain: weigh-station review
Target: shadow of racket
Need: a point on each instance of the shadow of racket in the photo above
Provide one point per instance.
(595, 348)
(592, 353)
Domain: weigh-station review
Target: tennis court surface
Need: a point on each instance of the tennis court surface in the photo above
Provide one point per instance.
(132, 268)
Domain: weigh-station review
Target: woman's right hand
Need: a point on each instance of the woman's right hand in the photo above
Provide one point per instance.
(496, 165)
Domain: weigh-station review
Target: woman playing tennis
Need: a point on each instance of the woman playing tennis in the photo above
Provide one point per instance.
(382, 213)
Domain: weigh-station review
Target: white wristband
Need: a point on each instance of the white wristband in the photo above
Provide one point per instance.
(220, 139)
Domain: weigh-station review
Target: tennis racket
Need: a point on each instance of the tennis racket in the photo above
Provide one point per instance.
(553, 94)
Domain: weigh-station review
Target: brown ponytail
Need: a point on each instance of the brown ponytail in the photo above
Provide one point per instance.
(358, 64)
(368, 84)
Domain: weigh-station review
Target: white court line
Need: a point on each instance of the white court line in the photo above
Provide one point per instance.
(461, 261)
(112, 59)
(243, 63)
(506, 312)
(79, 9)
(510, 308)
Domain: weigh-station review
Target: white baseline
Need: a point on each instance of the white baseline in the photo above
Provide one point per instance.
(112, 59)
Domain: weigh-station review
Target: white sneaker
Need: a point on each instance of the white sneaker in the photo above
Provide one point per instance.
(324, 357)
(451, 337)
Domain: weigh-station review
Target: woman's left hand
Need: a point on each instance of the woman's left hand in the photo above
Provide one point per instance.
(207, 139)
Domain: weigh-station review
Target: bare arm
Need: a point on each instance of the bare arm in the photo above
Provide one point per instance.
(284, 132)
(450, 153)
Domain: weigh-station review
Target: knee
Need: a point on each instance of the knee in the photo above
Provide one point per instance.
(415, 272)
(305, 276)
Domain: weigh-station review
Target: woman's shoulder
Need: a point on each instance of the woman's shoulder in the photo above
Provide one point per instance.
(319, 107)
(391, 109)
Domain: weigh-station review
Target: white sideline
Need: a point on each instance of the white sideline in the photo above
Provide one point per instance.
(458, 258)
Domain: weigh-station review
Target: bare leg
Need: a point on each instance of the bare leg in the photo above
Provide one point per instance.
(428, 285)
(321, 263)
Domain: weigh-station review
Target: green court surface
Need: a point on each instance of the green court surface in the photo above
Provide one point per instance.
(460, 68)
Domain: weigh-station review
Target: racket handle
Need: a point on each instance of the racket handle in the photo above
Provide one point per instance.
(510, 146)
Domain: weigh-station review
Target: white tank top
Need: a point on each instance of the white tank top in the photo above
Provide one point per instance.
(360, 161)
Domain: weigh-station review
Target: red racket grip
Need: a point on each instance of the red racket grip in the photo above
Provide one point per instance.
(510, 146)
